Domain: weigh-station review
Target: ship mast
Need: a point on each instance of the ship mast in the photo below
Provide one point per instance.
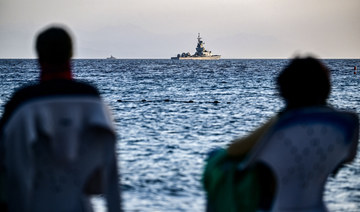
(200, 47)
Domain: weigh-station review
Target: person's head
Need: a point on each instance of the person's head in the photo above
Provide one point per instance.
(304, 82)
(54, 46)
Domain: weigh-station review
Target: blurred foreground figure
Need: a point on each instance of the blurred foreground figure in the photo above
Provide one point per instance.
(296, 150)
(305, 143)
(58, 138)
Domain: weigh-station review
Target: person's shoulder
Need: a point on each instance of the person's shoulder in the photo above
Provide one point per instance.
(23, 93)
(46, 89)
(54, 88)
(66, 87)
(19, 96)
(82, 87)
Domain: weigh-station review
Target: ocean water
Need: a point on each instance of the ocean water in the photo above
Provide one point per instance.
(169, 114)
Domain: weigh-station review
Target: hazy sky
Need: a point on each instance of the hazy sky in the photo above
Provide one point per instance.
(164, 28)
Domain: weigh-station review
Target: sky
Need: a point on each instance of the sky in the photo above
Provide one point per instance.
(163, 28)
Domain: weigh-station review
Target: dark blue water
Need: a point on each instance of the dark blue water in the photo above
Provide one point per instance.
(171, 113)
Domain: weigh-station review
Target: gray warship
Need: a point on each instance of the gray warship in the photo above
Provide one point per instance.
(200, 54)
(111, 58)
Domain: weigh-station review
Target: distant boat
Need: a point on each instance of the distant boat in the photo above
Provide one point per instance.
(200, 54)
(111, 58)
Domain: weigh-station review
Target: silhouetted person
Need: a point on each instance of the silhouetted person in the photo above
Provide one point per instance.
(58, 137)
(304, 143)
(305, 82)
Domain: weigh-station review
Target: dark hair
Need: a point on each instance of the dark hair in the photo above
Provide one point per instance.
(304, 82)
(54, 46)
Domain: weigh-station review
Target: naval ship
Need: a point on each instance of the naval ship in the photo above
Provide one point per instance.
(200, 54)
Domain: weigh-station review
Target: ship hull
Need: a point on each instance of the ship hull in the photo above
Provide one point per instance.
(213, 57)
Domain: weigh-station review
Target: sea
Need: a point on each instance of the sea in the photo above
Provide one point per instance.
(169, 114)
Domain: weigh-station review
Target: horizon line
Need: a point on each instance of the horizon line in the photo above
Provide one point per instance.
(142, 58)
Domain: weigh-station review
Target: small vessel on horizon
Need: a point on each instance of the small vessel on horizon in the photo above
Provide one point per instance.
(200, 54)
(111, 58)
